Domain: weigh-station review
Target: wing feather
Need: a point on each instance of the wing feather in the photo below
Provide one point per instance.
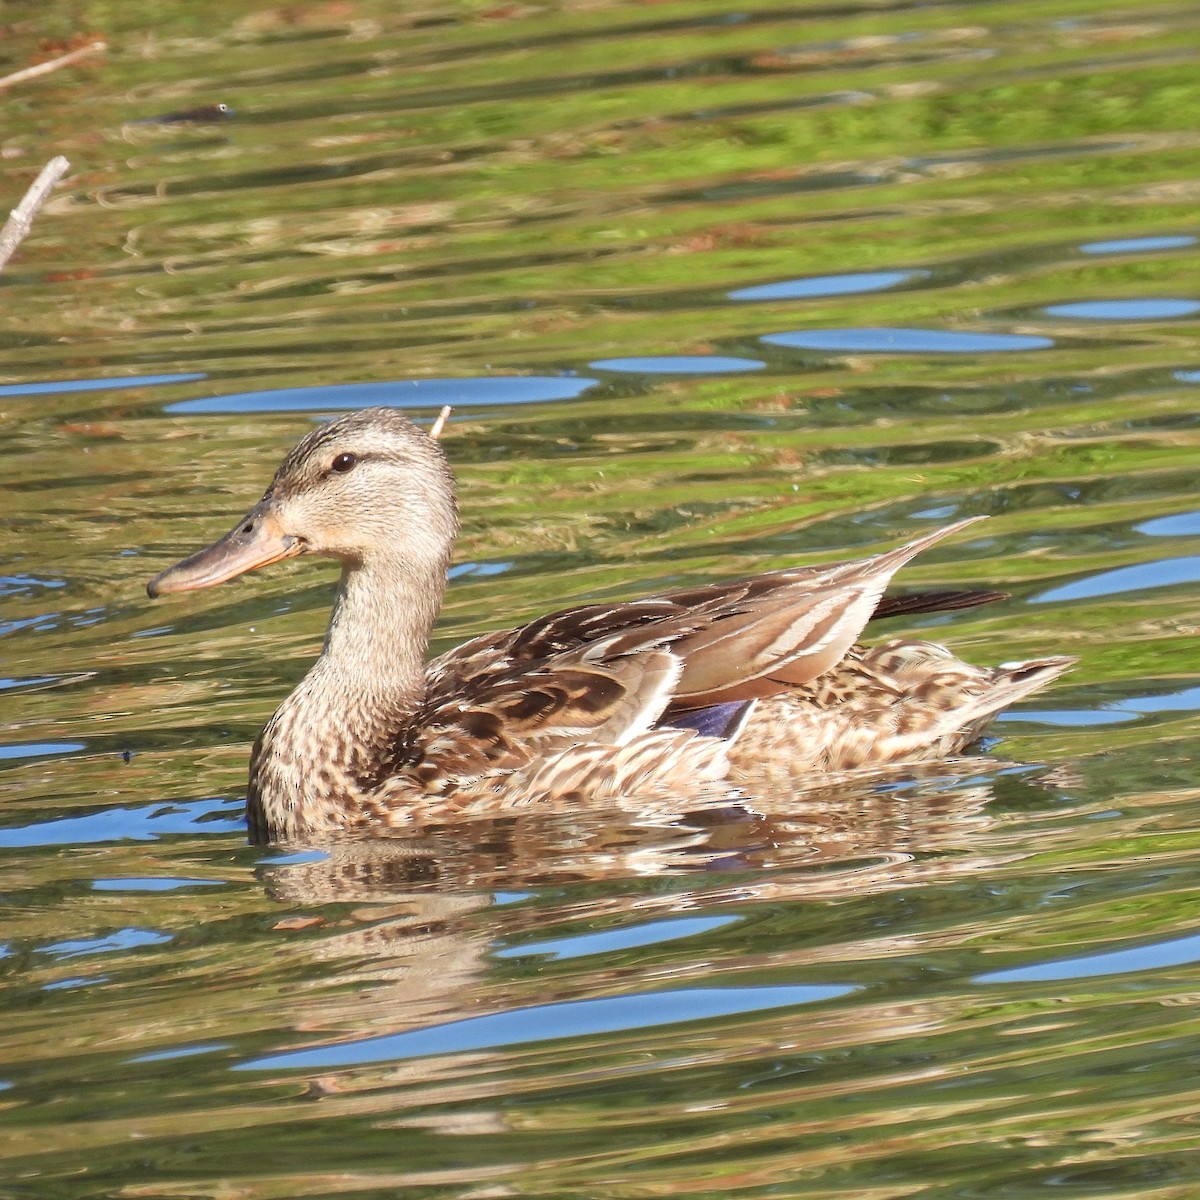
(608, 674)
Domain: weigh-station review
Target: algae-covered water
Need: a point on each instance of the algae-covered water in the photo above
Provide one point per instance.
(712, 290)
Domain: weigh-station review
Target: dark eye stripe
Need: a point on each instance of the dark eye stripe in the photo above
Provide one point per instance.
(343, 463)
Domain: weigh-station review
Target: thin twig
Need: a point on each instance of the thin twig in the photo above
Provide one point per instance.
(436, 428)
(21, 217)
(52, 64)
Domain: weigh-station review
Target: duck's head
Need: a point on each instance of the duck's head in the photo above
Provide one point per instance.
(369, 488)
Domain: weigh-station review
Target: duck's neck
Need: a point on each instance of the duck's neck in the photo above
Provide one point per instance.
(336, 736)
(374, 653)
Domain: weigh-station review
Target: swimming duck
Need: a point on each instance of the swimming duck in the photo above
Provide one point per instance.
(722, 684)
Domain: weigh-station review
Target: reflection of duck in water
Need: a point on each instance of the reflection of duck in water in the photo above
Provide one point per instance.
(407, 927)
(720, 684)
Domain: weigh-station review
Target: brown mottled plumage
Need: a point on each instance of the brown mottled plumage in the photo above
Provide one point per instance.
(705, 687)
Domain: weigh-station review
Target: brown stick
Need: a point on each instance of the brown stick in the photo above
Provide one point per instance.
(52, 64)
(21, 217)
(435, 430)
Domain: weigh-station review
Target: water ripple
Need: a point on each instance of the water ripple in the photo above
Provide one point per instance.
(885, 340)
(1125, 310)
(609, 940)
(550, 1022)
(140, 824)
(1163, 572)
(1139, 245)
(678, 364)
(827, 285)
(1175, 952)
(96, 385)
(400, 393)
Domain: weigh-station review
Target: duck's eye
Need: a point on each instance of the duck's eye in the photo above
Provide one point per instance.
(343, 463)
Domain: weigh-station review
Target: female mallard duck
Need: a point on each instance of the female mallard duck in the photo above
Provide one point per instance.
(729, 682)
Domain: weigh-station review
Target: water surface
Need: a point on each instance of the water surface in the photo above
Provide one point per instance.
(712, 291)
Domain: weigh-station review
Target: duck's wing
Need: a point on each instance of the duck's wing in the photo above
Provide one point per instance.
(789, 627)
(604, 674)
(504, 716)
(929, 602)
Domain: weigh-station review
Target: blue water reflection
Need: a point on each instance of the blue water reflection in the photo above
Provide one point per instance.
(898, 340)
(397, 393)
(294, 858)
(74, 983)
(480, 570)
(1068, 718)
(180, 1052)
(1124, 310)
(24, 584)
(827, 285)
(606, 941)
(1176, 952)
(40, 749)
(145, 823)
(97, 385)
(1137, 245)
(165, 884)
(1177, 525)
(1165, 572)
(1116, 712)
(8, 683)
(113, 943)
(551, 1022)
(678, 364)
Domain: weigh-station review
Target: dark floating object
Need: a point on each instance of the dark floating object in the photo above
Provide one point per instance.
(193, 116)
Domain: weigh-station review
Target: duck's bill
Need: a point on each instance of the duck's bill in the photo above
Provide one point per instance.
(256, 542)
